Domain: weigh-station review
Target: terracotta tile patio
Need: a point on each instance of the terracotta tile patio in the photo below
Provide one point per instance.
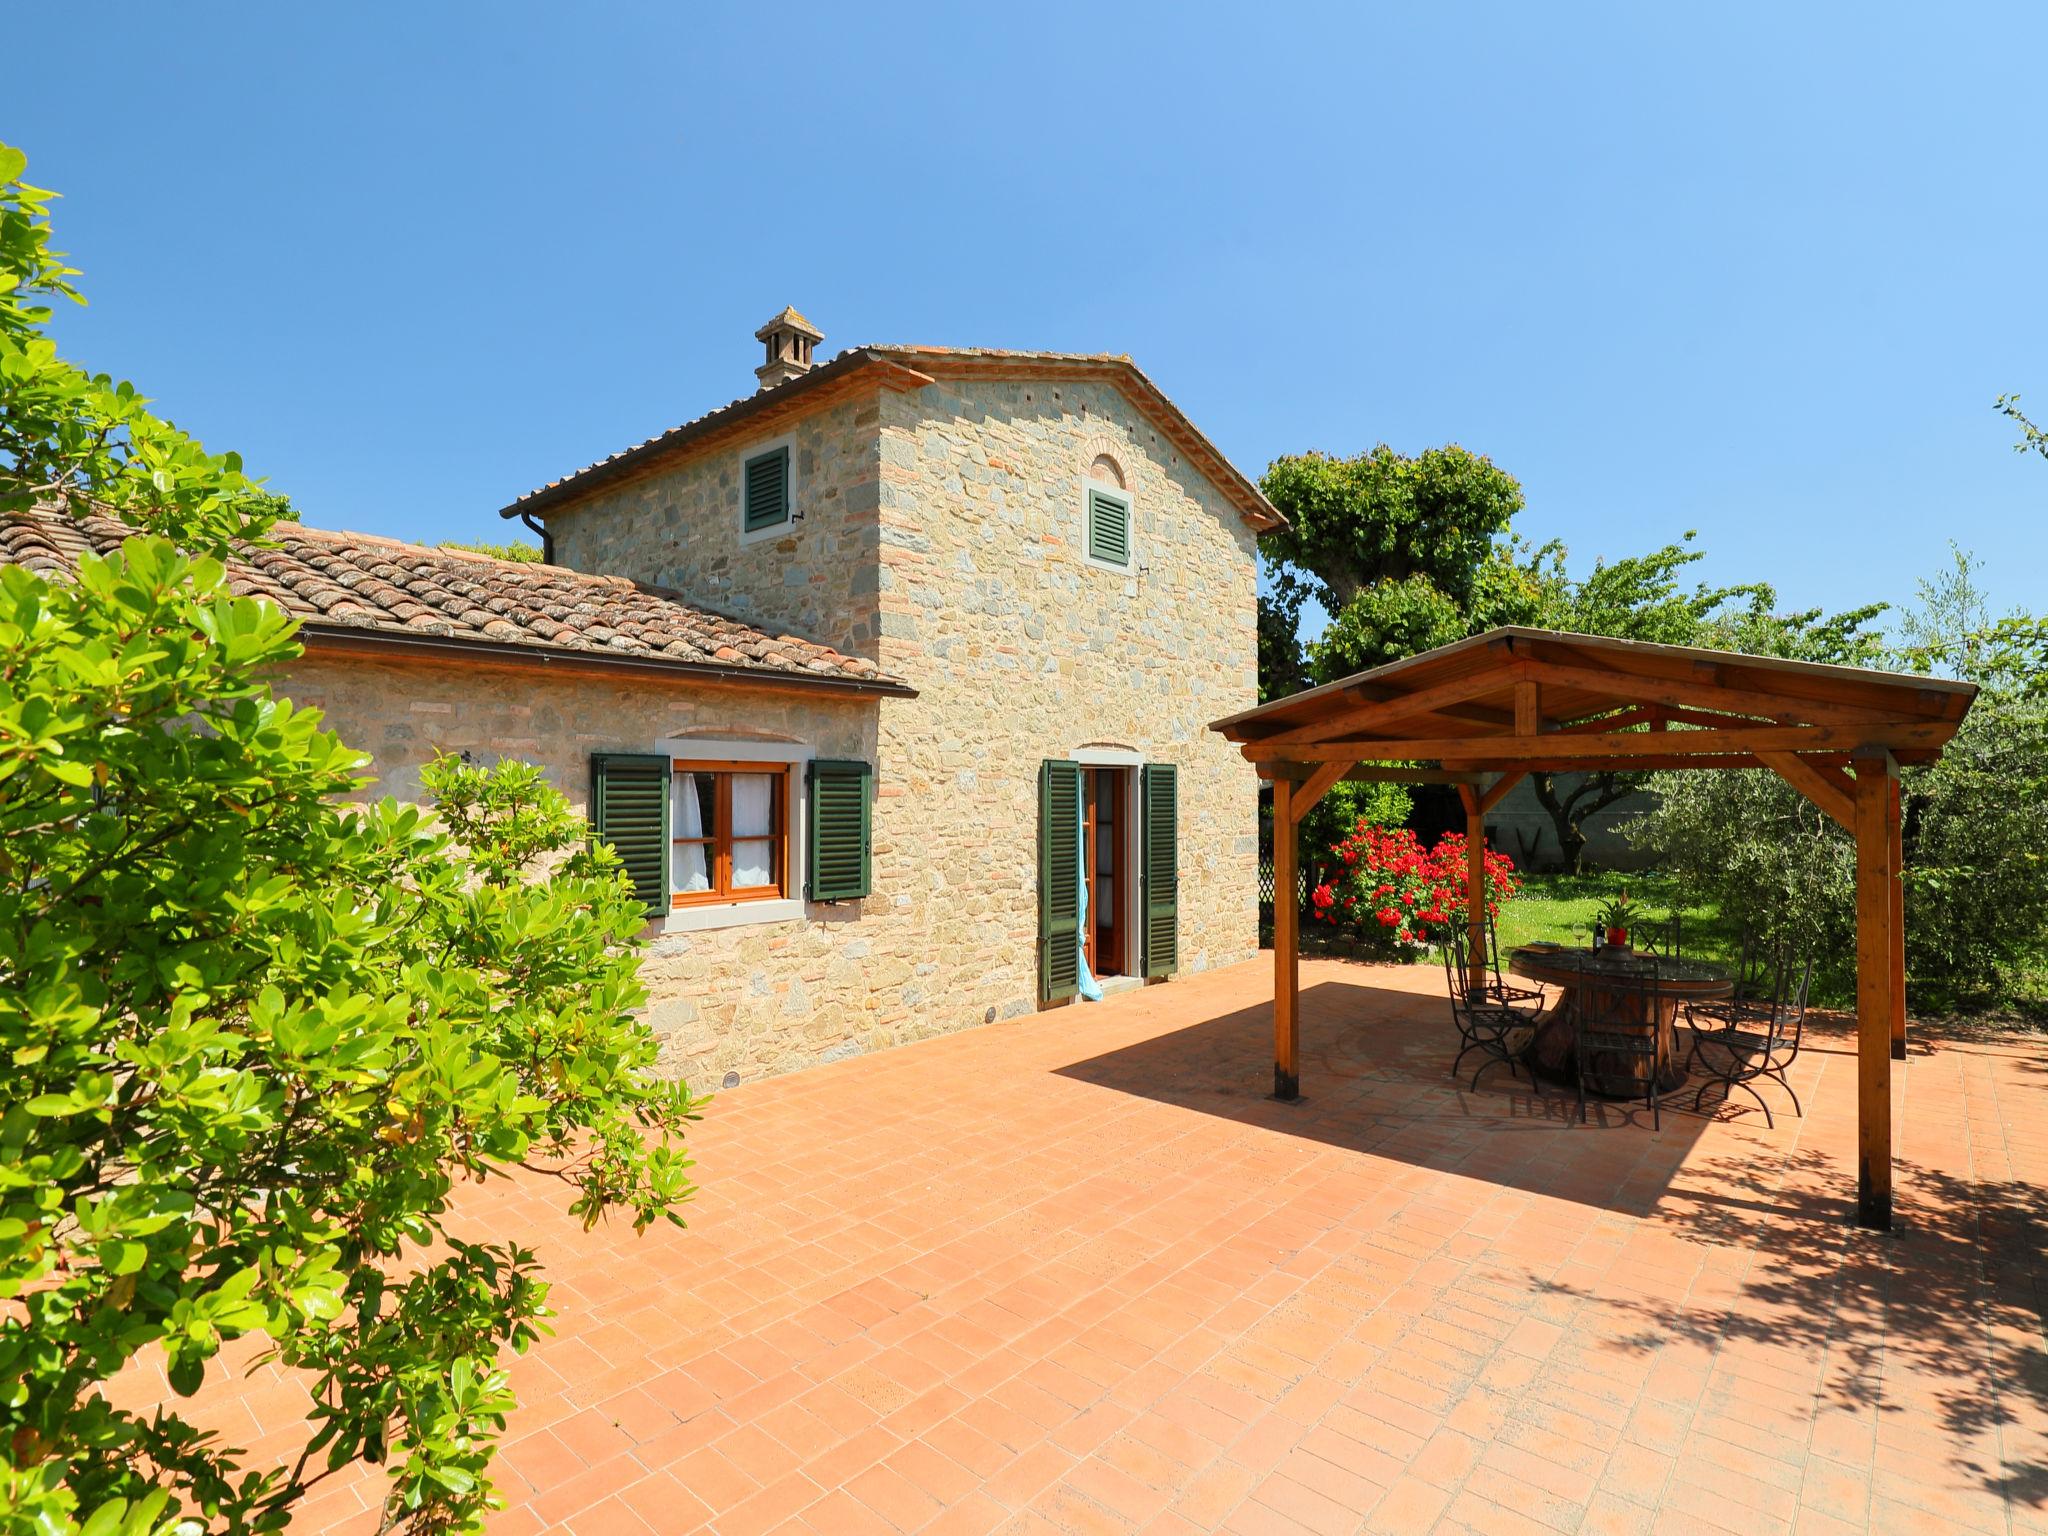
(1076, 1274)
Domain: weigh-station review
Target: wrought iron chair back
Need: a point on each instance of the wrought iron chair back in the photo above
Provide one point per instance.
(1665, 938)
(1757, 967)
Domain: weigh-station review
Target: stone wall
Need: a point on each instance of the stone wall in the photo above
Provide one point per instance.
(1523, 829)
(680, 529)
(754, 999)
(943, 536)
(1021, 650)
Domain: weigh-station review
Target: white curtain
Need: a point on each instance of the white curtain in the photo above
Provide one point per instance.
(692, 873)
(753, 820)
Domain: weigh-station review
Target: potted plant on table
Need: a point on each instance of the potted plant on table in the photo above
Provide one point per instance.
(1613, 919)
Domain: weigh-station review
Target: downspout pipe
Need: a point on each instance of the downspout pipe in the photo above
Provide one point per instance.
(547, 540)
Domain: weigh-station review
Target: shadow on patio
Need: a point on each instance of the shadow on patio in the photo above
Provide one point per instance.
(1375, 1059)
(1907, 1369)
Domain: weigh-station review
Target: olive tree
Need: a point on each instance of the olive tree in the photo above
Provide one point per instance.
(1974, 825)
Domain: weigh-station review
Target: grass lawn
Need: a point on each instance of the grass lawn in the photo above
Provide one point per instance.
(1560, 908)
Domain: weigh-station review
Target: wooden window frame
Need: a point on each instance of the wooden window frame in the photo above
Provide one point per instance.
(718, 846)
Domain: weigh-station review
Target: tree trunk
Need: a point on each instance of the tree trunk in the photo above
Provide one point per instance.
(1568, 813)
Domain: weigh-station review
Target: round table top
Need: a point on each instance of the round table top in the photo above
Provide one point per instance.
(1577, 967)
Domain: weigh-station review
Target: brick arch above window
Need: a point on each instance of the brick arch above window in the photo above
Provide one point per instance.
(1105, 457)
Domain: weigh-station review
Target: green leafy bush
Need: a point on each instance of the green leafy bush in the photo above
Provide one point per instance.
(255, 1037)
(518, 550)
(1345, 805)
(1976, 870)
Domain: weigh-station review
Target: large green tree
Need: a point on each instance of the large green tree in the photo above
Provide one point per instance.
(1398, 551)
(1383, 516)
(256, 1038)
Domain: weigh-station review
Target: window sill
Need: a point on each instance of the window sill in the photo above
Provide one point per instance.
(733, 914)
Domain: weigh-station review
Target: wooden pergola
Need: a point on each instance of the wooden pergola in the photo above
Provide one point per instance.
(1485, 712)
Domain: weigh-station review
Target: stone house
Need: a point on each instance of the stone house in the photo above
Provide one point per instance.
(1024, 584)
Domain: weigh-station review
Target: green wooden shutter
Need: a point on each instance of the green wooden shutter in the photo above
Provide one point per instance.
(1159, 793)
(841, 830)
(629, 797)
(1109, 527)
(1059, 879)
(767, 493)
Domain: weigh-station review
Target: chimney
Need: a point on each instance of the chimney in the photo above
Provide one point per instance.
(789, 337)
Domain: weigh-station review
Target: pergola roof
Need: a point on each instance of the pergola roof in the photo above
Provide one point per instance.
(1535, 699)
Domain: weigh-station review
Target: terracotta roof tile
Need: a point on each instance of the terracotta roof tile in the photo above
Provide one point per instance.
(361, 581)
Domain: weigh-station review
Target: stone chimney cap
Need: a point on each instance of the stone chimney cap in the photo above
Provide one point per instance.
(790, 320)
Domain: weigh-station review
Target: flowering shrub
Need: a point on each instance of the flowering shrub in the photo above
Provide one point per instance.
(1395, 895)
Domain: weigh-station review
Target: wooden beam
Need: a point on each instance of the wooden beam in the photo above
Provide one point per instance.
(1373, 773)
(1615, 744)
(1897, 875)
(1366, 716)
(1482, 770)
(1286, 944)
(1717, 717)
(1661, 690)
(1528, 707)
(1497, 791)
(1475, 887)
(1805, 777)
(1875, 778)
(1635, 714)
(1312, 789)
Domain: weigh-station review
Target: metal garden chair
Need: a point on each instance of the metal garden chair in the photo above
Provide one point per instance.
(1486, 1021)
(1499, 990)
(1756, 1033)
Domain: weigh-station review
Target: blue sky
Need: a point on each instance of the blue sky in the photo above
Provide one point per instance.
(1755, 270)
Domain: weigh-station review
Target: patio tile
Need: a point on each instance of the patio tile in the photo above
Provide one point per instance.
(1076, 1273)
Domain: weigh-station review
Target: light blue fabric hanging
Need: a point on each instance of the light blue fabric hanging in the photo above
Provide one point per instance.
(1091, 989)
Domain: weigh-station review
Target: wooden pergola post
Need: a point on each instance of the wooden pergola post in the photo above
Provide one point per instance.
(1292, 800)
(1877, 941)
(1475, 887)
(1286, 943)
(1898, 929)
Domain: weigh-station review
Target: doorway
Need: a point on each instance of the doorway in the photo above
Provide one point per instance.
(1104, 836)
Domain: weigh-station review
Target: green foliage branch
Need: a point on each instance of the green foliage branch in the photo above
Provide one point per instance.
(518, 550)
(256, 1038)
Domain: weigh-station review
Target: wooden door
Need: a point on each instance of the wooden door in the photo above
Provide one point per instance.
(1103, 842)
